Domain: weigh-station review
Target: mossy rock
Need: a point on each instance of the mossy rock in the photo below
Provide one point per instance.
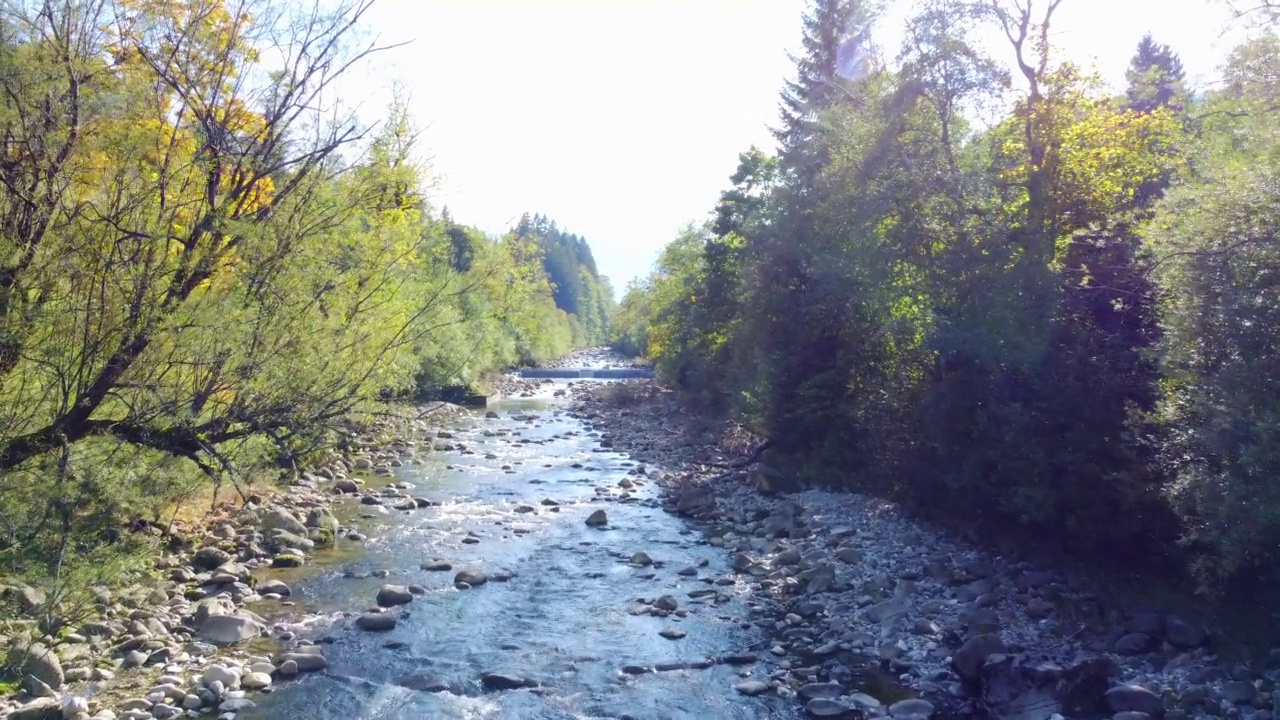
(323, 537)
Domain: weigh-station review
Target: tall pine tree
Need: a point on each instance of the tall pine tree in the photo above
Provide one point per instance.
(837, 49)
(1156, 78)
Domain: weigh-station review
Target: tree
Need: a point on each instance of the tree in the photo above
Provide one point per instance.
(837, 49)
(1156, 78)
(570, 268)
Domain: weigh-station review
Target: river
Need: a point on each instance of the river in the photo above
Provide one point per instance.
(564, 620)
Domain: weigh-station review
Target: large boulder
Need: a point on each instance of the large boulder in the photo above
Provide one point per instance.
(376, 622)
(968, 660)
(470, 577)
(694, 501)
(273, 587)
(209, 558)
(392, 595)
(322, 519)
(285, 540)
(37, 661)
(281, 519)
(30, 600)
(304, 661)
(230, 629)
(1015, 687)
(208, 607)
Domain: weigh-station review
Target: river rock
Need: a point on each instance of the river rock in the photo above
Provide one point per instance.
(505, 681)
(209, 558)
(376, 622)
(256, 681)
(392, 595)
(281, 519)
(321, 518)
(641, 558)
(912, 708)
(285, 540)
(274, 587)
(666, 603)
(230, 629)
(74, 706)
(1135, 698)
(1018, 686)
(753, 687)
(436, 565)
(226, 676)
(824, 708)
(597, 518)
(470, 577)
(968, 660)
(790, 556)
(38, 662)
(695, 501)
(291, 558)
(30, 600)
(44, 708)
(1135, 643)
(304, 662)
(208, 607)
(345, 487)
(825, 690)
(422, 683)
(1239, 692)
(1184, 635)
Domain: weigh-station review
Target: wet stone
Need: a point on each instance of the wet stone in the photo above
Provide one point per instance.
(753, 687)
(376, 622)
(823, 708)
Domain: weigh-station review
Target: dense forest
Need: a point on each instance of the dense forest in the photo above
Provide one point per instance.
(208, 265)
(1065, 319)
(576, 284)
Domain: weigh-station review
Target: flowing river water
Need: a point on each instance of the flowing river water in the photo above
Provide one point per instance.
(563, 620)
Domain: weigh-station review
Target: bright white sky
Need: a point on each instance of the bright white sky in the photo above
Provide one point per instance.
(622, 119)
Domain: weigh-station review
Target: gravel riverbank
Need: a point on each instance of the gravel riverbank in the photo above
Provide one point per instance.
(864, 611)
(190, 644)
(873, 613)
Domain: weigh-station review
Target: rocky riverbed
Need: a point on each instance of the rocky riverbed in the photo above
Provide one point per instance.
(871, 613)
(191, 644)
(600, 556)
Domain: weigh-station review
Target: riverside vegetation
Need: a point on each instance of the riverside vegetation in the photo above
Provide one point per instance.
(212, 275)
(1062, 320)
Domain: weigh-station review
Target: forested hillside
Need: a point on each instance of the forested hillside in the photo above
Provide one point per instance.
(576, 284)
(207, 264)
(1066, 318)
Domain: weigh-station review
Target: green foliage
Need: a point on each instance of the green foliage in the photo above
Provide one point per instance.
(1215, 237)
(1156, 78)
(206, 269)
(1008, 323)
